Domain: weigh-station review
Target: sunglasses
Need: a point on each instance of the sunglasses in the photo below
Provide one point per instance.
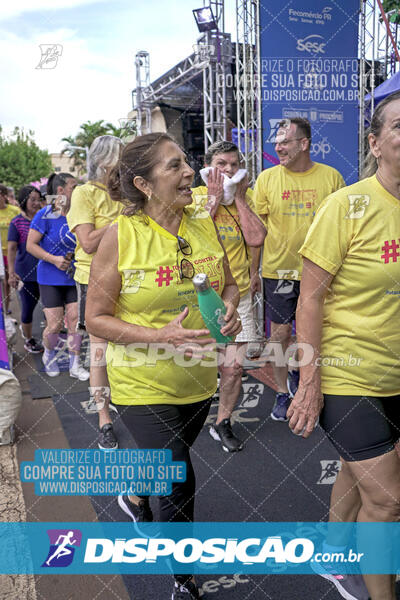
(185, 267)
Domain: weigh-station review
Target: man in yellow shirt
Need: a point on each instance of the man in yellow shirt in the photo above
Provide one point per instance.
(239, 229)
(286, 197)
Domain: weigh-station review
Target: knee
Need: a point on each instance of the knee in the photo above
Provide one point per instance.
(383, 506)
(53, 328)
(232, 373)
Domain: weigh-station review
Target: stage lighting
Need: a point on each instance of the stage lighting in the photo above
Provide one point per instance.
(205, 19)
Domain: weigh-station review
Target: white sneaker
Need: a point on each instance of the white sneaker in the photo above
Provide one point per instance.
(50, 365)
(78, 372)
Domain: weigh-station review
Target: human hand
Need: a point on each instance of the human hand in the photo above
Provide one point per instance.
(61, 262)
(13, 279)
(215, 187)
(233, 325)
(305, 409)
(255, 283)
(242, 187)
(174, 333)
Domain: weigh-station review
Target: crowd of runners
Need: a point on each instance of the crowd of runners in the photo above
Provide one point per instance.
(114, 259)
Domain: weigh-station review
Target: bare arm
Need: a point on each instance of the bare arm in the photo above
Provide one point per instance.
(13, 278)
(103, 293)
(89, 237)
(255, 282)
(253, 229)
(32, 246)
(307, 403)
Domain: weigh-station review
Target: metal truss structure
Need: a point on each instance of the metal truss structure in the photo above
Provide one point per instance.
(379, 58)
(378, 53)
(248, 85)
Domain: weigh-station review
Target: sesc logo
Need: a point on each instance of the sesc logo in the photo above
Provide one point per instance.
(311, 44)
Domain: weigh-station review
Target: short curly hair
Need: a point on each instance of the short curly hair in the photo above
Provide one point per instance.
(219, 148)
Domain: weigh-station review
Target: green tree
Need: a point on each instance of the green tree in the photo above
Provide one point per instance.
(21, 159)
(389, 5)
(87, 133)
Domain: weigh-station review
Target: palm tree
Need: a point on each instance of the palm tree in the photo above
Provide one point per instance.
(87, 133)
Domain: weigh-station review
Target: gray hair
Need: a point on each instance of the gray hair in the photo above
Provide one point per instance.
(104, 154)
(220, 147)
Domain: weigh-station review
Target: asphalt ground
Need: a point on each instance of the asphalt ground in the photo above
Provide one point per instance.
(277, 477)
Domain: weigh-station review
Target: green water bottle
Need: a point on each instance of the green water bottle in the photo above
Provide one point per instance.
(211, 307)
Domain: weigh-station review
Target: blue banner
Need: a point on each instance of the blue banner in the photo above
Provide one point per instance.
(213, 548)
(309, 68)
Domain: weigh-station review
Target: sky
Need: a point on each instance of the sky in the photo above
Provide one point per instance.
(94, 75)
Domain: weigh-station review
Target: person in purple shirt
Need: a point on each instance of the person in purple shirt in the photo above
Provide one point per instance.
(22, 265)
(51, 241)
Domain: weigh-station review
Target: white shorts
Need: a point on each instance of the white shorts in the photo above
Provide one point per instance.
(245, 310)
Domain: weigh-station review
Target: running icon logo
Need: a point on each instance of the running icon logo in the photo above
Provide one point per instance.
(357, 205)
(62, 547)
(50, 54)
(329, 471)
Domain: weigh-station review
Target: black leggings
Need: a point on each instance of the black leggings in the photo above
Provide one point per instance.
(29, 295)
(176, 427)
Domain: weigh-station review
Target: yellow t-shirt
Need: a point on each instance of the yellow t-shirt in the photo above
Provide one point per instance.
(289, 200)
(90, 203)
(238, 254)
(356, 237)
(6, 216)
(152, 295)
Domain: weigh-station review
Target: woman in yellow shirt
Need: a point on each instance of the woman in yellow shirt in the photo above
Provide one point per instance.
(141, 298)
(91, 213)
(349, 315)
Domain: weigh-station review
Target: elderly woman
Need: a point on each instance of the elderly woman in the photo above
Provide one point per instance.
(141, 294)
(91, 213)
(349, 313)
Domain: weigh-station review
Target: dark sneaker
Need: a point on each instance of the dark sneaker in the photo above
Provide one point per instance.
(223, 433)
(33, 346)
(139, 513)
(107, 440)
(293, 379)
(188, 591)
(142, 517)
(351, 587)
(282, 402)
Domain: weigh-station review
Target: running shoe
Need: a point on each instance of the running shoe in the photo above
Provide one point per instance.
(350, 587)
(282, 402)
(189, 591)
(223, 433)
(140, 512)
(78, 372)
(33, 346)
(107, 440)
(293, 382)
(50, 364)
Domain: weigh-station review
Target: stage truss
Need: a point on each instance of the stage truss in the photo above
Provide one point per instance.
(213, 55)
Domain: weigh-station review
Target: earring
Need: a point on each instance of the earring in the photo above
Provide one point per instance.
(149, 197)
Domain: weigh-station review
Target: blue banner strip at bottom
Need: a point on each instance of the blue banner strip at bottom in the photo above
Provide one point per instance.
(213, 548)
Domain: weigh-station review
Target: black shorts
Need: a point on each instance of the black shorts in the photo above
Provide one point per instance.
(82, 292)
(53, 296)
(280, 298)
(361, 427)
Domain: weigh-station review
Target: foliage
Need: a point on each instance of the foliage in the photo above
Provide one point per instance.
(389, 5)
(87, 133)
(21, 159)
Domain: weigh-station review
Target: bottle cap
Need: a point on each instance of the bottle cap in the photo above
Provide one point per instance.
(201, 282)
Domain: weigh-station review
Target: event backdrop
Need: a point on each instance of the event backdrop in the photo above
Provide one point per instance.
(309, 68)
